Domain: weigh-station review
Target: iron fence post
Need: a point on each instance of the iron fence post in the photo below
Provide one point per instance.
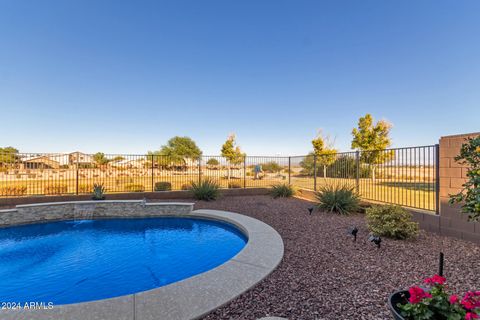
(357, 171)
(437, 179)
(200, 169)
(289, 169)
(315, 172)
(153, 178)
(244, 172)
(76, 176)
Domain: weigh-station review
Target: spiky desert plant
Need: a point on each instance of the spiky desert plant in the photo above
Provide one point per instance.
(98, 192)
(283, 190)
(206, 190)
(341, 199)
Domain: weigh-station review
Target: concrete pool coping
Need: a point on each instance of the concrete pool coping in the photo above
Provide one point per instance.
(190, 298)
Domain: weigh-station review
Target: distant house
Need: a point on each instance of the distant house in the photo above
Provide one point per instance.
(129, 163)
(56, 161)
(80, 158)
(40, 162)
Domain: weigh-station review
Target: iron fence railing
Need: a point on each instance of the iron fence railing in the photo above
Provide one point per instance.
(403, 176)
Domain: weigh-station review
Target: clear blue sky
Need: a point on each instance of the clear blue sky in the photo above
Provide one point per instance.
(124, 76)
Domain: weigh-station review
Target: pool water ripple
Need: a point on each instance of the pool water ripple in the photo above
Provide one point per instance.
(76, 261)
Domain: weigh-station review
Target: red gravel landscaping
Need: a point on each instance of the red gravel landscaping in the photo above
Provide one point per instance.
(325, 275)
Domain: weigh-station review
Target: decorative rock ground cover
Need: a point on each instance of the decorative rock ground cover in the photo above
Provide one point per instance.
(325, 275)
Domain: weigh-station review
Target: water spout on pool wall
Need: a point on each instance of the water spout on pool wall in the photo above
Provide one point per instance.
(83, 211)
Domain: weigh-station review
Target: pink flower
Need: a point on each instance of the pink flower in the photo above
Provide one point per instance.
(436, 279)
(471, 315)
(471, 300)
(453, 299)
(417, 294)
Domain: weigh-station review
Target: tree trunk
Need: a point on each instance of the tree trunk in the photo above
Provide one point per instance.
(325, 172)
(373, 172)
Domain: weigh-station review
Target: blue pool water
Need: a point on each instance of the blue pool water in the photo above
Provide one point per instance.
(74, 261)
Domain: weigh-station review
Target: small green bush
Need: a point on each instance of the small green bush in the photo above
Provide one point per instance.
(271, 166)
(134, 187)
(85, 188)
(206, 190)
(283, 190)
(19, 190)
(56, 188)
(234, 185)
(341, 199)
(98, 192)
(212, 162)
(391, 221)
(163, 186)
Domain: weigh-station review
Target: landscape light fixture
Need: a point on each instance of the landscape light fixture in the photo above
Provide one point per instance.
(376, 240)
(440, 264)
(310, 209)
(354, 232)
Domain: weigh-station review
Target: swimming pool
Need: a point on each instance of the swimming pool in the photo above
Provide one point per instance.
(75, 261)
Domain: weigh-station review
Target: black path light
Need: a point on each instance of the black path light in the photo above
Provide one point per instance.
(376, 240)
(310, 210)
(354, 232)
(440, 264)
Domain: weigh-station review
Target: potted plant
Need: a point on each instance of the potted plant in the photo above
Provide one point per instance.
(434, 302)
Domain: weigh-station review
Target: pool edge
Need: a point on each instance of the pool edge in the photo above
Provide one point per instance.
(190, 298)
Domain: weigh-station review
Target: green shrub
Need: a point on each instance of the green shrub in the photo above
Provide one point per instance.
(283, 190)
(19, 190)
(134, 187)
(469, 196)
(85, 188)
(56, 188)
(271, 166)
(234, 185)
(391, 221)
(341, 199)
(163, 186)
(98, 192)
(205, 190)
(212, 162)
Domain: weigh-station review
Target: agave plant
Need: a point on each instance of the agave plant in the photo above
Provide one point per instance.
(98, 192)
(341, 199)
(206, 190)
(282, 191)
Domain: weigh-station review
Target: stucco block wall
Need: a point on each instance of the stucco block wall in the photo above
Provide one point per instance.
(452, 176)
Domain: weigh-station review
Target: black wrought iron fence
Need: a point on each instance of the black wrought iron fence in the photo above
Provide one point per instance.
(403, 176)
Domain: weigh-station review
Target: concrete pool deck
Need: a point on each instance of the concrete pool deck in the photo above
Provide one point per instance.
(190, 298)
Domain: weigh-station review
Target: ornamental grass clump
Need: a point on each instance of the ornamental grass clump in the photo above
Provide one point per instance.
(434, 302)
(163, 186)
(470, 194)
(341, 199)
(206, 190)
(283, 190)
(391, 221)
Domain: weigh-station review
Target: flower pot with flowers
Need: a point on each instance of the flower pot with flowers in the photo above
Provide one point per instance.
(434, 302)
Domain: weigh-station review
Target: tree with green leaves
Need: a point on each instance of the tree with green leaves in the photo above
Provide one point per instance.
(232, 152)
(177, 151)
(100, 158)
(212, 162)
(372, 139)
(272, 166)
(324, 152)
(8, 155)
(307, 164)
